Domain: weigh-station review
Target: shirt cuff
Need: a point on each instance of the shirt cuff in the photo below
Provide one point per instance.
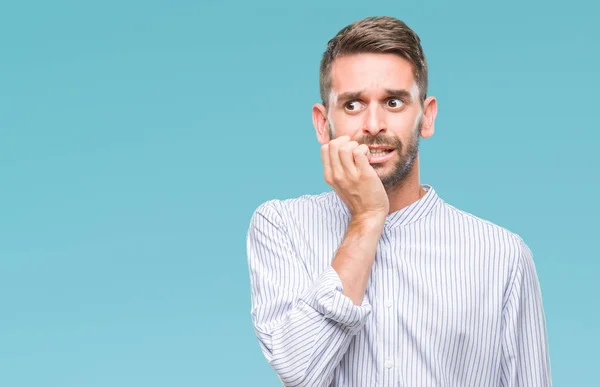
(326, 297)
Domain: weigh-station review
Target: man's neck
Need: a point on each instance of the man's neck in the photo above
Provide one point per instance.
(408, 192)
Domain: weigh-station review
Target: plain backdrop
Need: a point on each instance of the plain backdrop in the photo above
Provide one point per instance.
(137, 138)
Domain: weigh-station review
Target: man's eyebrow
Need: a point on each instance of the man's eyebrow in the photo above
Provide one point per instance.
(402, 93)
(351, 95)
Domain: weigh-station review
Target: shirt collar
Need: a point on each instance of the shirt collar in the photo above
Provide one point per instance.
(408, 214)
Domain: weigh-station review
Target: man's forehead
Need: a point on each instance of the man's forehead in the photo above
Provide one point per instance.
(371, 73)
(370, 67)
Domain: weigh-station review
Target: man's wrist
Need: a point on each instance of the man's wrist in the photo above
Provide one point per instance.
(369, 220)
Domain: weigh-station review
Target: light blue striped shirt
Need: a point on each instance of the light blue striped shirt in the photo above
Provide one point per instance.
(452, 300)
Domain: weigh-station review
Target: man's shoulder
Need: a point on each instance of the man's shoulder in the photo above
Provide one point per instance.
(300, 206)
(483, 226)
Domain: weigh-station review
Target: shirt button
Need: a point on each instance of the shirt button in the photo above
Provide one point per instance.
(388, 303)
(389, 364)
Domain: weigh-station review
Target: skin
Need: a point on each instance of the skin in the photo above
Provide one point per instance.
(374, 99)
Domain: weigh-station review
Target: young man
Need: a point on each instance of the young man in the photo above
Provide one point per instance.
(380, 282)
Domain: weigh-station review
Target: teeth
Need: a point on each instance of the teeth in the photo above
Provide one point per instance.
(378, 153)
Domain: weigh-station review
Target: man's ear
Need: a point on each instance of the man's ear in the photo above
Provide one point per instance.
(319, 117)
(429, 113)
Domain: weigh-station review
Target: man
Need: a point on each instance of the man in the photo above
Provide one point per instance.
(380, 282)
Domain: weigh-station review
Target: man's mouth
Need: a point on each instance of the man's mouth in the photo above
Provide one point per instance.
(379, 154)
(379, 151)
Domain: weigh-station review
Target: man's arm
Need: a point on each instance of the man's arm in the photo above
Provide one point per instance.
(354, 258)
(305, 325)
(525, 355)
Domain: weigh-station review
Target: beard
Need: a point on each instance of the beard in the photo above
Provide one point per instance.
(407, 155)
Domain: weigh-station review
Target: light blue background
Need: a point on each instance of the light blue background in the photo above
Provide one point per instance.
(137, 138)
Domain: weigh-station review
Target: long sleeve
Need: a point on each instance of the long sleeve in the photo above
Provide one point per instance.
(304, 325)
(525, 355)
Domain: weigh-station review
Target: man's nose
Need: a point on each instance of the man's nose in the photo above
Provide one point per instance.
(374, 120)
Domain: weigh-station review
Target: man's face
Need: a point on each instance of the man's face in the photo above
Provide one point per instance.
(375, 100)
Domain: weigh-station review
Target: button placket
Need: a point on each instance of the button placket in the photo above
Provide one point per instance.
(388, 314)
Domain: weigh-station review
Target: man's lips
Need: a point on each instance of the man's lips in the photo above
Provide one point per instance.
(381, 157)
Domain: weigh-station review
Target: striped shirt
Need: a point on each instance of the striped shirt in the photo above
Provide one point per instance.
(452, 299)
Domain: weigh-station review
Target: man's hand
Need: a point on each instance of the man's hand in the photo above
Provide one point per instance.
(347, 170)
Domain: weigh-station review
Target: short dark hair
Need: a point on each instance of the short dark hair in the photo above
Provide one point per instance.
(380, 35)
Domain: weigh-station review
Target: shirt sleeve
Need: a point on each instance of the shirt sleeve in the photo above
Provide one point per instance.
(525, 356)
(304, 325)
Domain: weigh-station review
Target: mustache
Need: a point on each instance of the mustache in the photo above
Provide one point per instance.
(380, 140)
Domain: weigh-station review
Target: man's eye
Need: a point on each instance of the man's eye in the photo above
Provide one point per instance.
(394, 103)
(353, 105)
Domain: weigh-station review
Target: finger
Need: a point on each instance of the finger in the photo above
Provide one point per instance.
(347, 158)
(337, 170)
(364, 149)
(362, 160)
(326, 163)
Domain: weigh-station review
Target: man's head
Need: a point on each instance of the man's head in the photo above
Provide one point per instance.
(373, 85)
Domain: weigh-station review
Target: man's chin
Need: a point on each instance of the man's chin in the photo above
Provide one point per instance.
(390, 176)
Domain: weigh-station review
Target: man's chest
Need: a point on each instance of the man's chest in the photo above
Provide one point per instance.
(452, 283)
